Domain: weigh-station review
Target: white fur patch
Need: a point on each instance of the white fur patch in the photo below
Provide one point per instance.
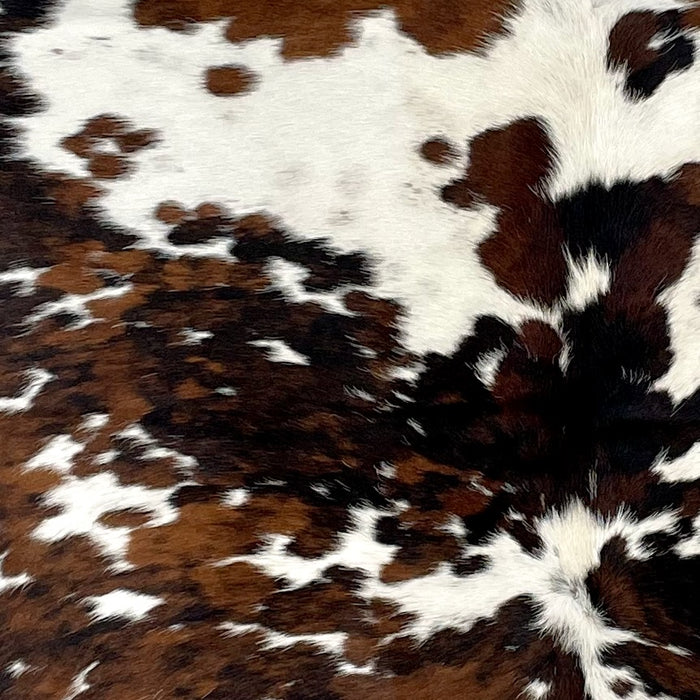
(279, 351)
(37, 379)
(83, 501)
(9, 583)
(347, 165)
(683, 468)
(57, 455)
(79, 684)
(122, 603)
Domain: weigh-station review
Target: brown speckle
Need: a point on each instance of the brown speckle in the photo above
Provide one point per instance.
(79, 144)
(438, 151)
(107, 166)
(136, 140)
(225, 81)
(208, 210)
(172, 213)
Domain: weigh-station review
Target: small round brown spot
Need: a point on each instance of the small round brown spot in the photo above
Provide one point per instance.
(171, 213)
(622, 688)
(253, 226)
(107, 166)
(136, 140)
(105, 126)
(438, 151)
(229, 80)
(79, 145)
(209, 210)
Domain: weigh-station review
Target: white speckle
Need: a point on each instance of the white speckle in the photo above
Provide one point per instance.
(589, 278)
(321, 489)
(487, 365)
(345, 668)
(478, 486)
(193, 337)
(94, 421)
(77, 305)
(235, 498)
(679, 651)
(235, 629)
(332, 643)
(680, 301)
(226, 391)
(359, 394)
(409, 374)
(57, 455)
(37, 380)
(279, 351)
(273, 482)
(80, 684)
(26, 277)
(416, 426)
(366, 352)
(537, 690)
(17, 668)
(385, 470)
(122, 603)
(9, 583)
(106, 457)
(84, 501)
(288, 277)
(683, 468)
(152, 450)
(455, 526)
(329, 643)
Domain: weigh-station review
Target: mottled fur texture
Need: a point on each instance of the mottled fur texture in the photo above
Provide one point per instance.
(350, 350)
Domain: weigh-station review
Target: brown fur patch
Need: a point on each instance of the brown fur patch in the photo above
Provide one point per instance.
(442, 27)
(225, 81)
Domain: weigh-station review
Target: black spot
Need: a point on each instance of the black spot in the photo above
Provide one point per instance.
(27, 9)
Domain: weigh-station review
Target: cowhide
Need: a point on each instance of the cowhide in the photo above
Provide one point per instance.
(350, 350)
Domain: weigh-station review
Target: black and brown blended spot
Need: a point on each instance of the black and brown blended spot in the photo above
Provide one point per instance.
(543, 428)
(438, 151)
(649, 46)
(304, 441)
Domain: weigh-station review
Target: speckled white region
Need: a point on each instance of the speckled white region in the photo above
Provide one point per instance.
(83, 501)
(552, 578)
(329, 146)
(122, 603)
(37, 379)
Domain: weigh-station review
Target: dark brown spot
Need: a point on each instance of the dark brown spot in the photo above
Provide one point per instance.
(438, 151)
(107, 166)
(133, 141)
(172, 213)
(229, 80)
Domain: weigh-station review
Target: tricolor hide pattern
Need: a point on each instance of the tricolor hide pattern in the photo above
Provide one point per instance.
(350, 350)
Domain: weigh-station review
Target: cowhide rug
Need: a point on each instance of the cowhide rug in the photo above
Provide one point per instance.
(350, 350)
